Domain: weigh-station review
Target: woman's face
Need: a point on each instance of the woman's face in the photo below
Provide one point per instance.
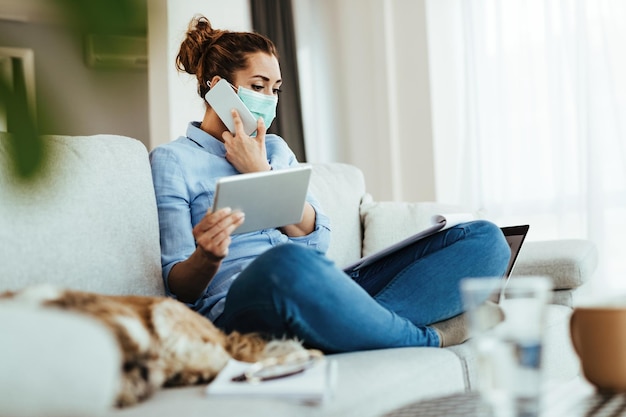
(262, 74)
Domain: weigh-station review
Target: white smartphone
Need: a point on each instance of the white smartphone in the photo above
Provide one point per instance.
(223, 99)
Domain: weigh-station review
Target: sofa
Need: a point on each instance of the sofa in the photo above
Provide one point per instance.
(90, 223)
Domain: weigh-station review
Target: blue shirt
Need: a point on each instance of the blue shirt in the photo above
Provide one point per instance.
(185, 172)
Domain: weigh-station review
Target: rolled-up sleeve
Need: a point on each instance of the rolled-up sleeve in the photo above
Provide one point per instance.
(172, 195)
(319, 238)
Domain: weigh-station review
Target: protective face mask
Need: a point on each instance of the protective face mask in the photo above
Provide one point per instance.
(260, 105)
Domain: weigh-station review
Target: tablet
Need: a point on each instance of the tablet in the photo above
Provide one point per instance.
(269, 199)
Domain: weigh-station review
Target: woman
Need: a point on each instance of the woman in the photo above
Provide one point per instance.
(278, 282)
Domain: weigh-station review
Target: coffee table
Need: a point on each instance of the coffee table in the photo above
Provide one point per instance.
(575, 398)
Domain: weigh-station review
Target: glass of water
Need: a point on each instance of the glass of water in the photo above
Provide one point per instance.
(508, 351)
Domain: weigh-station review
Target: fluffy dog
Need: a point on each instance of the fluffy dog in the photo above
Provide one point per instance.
(162, 341)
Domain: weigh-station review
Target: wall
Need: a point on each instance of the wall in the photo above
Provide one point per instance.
(73, 99)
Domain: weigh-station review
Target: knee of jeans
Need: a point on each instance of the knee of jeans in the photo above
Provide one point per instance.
(492, 234)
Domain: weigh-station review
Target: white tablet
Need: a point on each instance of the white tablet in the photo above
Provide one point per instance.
(269, 199)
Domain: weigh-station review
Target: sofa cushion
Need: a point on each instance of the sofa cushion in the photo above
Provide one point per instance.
(388, 222)
(339, 189)
(90, 223)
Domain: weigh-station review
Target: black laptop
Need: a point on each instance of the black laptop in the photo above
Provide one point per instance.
(515, 236)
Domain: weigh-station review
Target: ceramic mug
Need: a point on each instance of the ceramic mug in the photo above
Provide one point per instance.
(599, 337)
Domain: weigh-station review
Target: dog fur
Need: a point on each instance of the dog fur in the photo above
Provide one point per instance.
(162, 342)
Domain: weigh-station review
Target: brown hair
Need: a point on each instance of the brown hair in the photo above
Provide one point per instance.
(206, 52)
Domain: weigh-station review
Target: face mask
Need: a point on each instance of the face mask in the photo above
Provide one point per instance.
(260, 105)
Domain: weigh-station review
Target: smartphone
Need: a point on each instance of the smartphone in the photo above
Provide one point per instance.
(223, 99)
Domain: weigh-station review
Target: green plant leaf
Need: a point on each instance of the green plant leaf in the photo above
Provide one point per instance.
(26, 147)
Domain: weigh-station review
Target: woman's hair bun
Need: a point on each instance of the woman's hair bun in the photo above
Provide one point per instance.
(199, 37)
(206, 52)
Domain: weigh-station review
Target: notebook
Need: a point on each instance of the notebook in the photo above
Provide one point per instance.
(269, 199)
(314, 386)
(438, 223)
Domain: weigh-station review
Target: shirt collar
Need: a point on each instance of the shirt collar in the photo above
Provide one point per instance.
(204, 140)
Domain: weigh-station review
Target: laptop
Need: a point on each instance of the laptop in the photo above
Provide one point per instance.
(515, 236)
(269, 199)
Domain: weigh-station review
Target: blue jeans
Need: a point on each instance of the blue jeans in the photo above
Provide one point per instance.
(295, 291)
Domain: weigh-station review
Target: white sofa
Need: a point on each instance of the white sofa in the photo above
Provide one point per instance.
(91, 223)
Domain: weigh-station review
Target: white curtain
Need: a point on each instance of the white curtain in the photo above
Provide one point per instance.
(529, 103)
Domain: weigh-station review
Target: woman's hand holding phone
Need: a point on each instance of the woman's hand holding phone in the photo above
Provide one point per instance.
(246, 153)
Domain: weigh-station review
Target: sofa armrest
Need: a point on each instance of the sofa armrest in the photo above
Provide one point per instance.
(55, 364)
(569, 262)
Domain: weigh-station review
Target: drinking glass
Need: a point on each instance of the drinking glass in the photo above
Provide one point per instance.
(508, 352)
